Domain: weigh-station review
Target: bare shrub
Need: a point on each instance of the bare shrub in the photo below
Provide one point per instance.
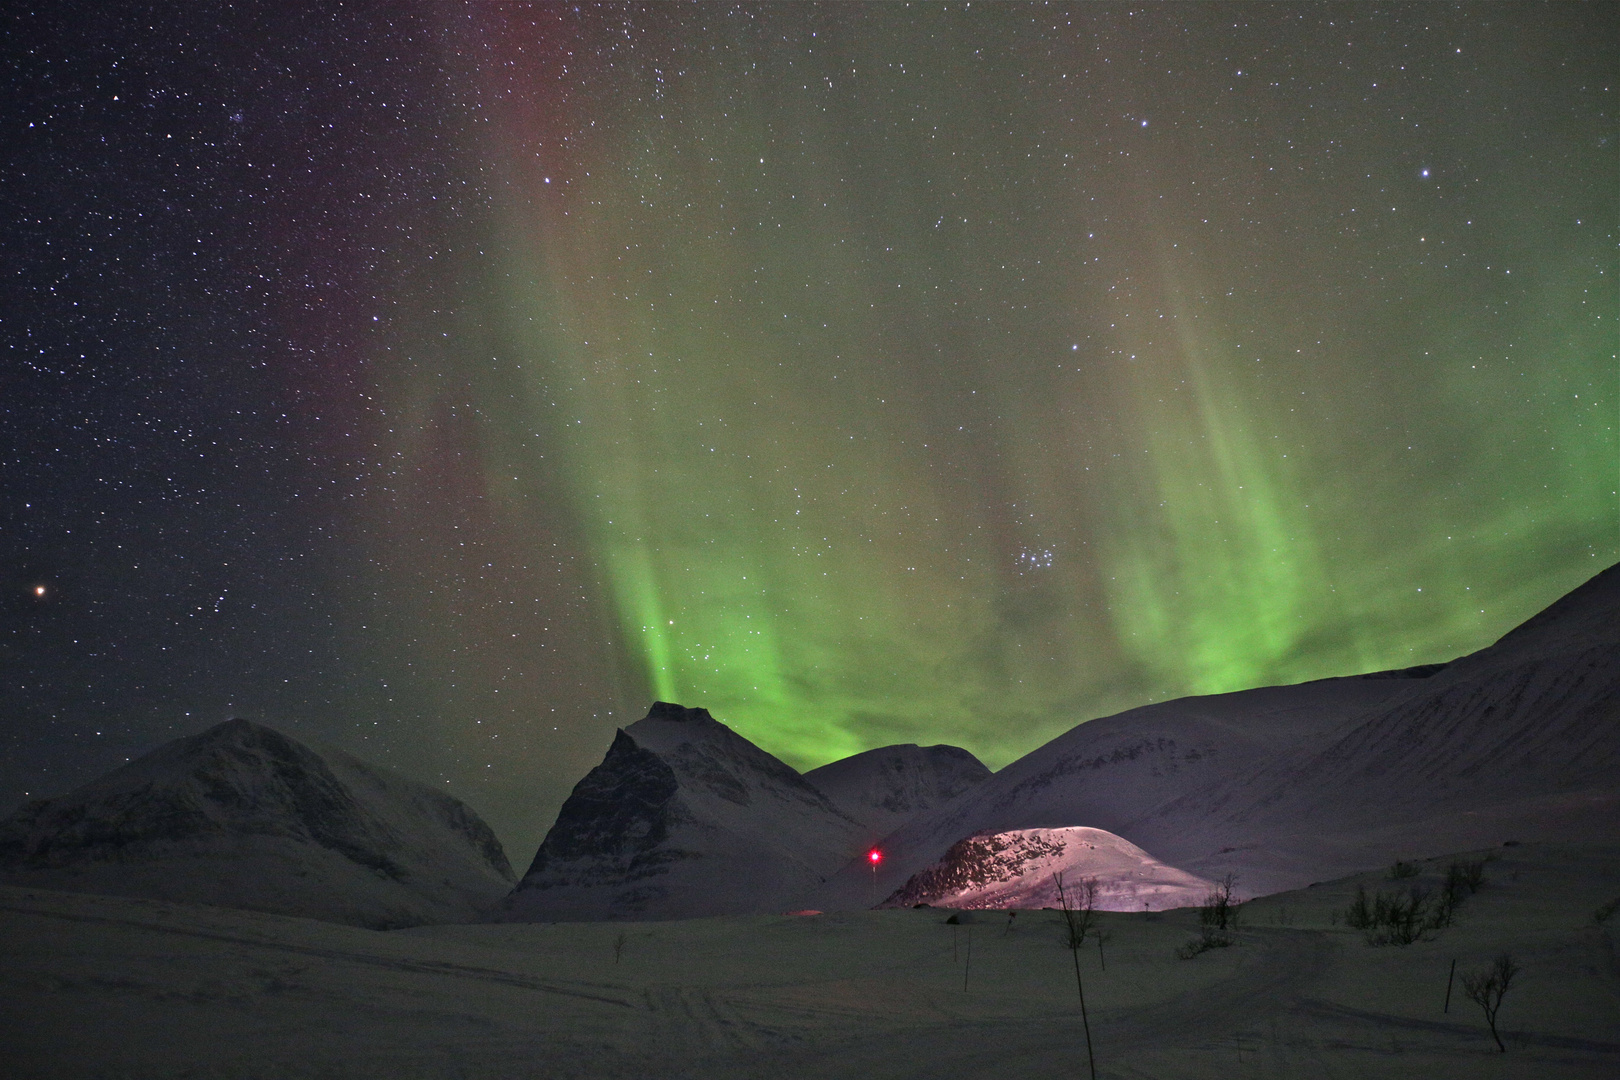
(1079, 905)
(1403, 870)
(1463, 879)
(1397, 918)
(1219, 909)
(1469, 874)
(1217, 917)
(1359, 915)
(1078, 912)
(1487, 987)
(1208, 938)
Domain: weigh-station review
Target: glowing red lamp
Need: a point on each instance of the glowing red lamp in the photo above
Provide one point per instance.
(874, 856)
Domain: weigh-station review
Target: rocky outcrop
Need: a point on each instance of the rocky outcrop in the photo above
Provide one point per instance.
(684, 817)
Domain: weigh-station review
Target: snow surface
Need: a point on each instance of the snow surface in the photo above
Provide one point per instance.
(246, 816)
(1019, 869)
(96, 986)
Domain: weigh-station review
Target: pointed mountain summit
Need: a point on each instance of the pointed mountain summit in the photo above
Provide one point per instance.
(885, 788)
(684, 817)
(242, 815)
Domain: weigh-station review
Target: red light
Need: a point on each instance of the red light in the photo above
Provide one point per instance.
(875, 856)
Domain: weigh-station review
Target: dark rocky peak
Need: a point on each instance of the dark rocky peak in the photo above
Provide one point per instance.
(685, 817)
(709, 756)
(617, 815)
(678, 714)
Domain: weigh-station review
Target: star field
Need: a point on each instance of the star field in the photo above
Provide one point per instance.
(449, 382)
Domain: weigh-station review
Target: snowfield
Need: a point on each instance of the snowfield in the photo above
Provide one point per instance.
(101, 986)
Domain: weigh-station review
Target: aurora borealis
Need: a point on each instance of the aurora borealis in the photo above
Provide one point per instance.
(863, 373)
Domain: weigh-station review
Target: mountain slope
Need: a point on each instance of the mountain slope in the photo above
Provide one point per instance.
(1111, 772)
(683, 818)
(885, 788)
(244, 816)
(1285, 785)
(1522, 738)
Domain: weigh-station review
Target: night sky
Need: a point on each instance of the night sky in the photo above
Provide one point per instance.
(447, 383)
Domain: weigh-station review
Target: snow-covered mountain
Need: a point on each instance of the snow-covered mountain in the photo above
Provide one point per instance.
(244, 816)
(1020, 869)
(1518, 740)
(885, 788)
(1110, 773)
(682, 818)
(1286, 785)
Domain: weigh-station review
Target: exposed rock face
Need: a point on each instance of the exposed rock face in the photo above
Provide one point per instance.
(684, 817)
(1286, 785)
(1019, 869)
(244, 816)
(885, 788)
(615, 825)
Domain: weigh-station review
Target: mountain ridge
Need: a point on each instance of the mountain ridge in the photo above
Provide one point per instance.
(246, 816)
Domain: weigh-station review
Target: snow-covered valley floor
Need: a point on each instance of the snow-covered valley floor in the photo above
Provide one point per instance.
(94, 986)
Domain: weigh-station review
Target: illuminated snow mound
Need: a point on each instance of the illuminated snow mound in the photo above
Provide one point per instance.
(1018, 868)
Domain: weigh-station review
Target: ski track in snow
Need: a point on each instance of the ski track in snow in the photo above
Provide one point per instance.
(422, 967)
(141, 991)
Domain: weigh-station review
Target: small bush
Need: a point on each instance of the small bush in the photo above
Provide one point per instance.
(1359, 915)
(1217, 917)
(1404, 919)
(1402, 870)
(1210, 938)
(1079, 906)
(1487, 988)
(1219, 910)
(1469, 874)
(1395, 918)
(1463, 879)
